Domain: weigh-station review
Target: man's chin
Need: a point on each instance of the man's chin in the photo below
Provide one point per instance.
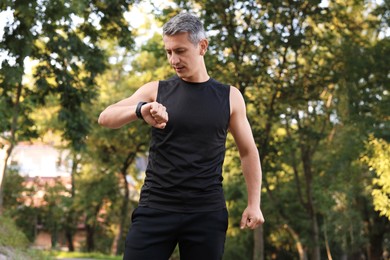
(179, 71)
(180, 74)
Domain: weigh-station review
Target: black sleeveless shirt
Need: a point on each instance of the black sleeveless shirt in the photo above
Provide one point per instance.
(184, 172)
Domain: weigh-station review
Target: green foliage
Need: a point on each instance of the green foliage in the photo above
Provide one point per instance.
(64, 38)
(15, 197)
(378, 158)
(27, 217)
(68, 53)
(14, 244)
(315, 80)
(97, 196)
(57, 206)
(14, 237)
(19, 254)
(13, 189)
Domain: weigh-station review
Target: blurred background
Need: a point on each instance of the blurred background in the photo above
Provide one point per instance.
(315, 76)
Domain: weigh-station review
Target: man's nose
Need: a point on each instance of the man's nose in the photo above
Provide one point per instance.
(174, 59)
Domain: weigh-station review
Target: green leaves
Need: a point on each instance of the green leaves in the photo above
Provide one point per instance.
(315, 78)
(64, 37)
(378, 159)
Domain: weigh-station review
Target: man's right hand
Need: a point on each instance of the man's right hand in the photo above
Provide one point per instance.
(155, 114)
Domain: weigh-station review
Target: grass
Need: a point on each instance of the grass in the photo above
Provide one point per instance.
(23, 254)
(61, 254)
(15, 245)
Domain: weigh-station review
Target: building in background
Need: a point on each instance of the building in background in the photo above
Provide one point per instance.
(40, 160)
(42, 166)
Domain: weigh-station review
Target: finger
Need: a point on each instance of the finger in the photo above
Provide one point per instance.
(261, 221)
(166, 116)
(161, 110)
(163, 117)
(257, 223)
(249, 222)
(243, 222)
(160, 125)
(154, 108)
(160, 119)
(158, 111)
(253, 223)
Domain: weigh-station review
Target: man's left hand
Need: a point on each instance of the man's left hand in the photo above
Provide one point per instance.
(252, 217)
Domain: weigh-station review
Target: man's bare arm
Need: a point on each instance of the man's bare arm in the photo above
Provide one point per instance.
(123, 112)
(250, 160)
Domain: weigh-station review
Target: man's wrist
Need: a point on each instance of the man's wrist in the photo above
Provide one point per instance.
(138, 109)
(254, 203)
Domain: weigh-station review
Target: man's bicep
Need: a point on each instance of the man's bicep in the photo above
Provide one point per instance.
(239, 125)
(242, 134)
(147, 93)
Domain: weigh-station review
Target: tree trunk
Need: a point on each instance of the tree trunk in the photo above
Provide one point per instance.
(71, 219)
(69, 239)
(316, 237)
(328, 252)
(91, 228)
(126, 200)
(123, 217)
(315, 233)
(5, 154)
(90, 237)
(377, 230)
(301, 252)
(54, 237)
(10, 143)
(258, 245)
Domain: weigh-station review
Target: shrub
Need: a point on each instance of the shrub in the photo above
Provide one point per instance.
(14, 237)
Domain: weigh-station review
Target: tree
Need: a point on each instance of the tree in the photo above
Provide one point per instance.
(57, 203)
(97, 191)
(378, 159)
(64, 38)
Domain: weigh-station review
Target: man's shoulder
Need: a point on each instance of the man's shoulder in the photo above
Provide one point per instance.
(220, 84)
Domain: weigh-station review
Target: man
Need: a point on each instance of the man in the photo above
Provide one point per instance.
(182, 199)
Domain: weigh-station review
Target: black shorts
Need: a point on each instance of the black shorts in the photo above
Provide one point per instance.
(154, 235)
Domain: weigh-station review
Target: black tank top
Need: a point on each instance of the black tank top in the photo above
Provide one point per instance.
(184, 172)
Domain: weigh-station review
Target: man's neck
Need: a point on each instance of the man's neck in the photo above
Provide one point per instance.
(201, 76)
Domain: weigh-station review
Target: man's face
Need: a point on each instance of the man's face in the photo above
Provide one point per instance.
(185, 58)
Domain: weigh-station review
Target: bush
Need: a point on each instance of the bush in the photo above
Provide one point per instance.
(14, 238)
(14, 244)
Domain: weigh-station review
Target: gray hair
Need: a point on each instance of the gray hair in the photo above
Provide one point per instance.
(185, 22)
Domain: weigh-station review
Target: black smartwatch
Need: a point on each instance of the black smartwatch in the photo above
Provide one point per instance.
(138, 109)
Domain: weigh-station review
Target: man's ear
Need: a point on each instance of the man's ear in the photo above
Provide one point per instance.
(203, 44)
